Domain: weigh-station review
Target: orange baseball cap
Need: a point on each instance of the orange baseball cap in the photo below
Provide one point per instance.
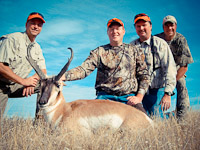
(35, 15)
(115, 20)
(142, 16)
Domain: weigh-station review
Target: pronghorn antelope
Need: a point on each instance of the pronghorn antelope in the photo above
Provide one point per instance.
(84, 115)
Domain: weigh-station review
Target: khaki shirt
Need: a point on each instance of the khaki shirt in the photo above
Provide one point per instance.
(13, 52)
(164, 76)
(120, 70)
(180, 49)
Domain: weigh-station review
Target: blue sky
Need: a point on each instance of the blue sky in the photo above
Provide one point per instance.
(82, 26)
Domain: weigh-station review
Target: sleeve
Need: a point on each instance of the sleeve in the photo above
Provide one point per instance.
(87, 67)
(142, 74)
(7, 50)
(169, 68)
(40, 58)
(184, 52)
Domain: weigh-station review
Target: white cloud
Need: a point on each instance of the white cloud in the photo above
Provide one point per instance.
(76, 92)
(59, 28)
(134, 37)
(195, 102)
(197, 99)
(197, 60)
(196, 107)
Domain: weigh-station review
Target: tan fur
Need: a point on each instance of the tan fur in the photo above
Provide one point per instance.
(69, 114)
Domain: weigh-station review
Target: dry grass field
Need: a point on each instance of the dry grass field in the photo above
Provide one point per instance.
(21, 134)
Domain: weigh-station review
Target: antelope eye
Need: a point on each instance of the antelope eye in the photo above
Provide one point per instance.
(57, 84)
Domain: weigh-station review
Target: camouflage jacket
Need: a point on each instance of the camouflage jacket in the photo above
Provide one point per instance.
(164, 74)
(120, 70)
(180, 49)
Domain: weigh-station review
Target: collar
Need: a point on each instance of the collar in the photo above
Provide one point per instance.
(27, 40)
(171, 39)
(148, 41)
(117, 49)
(117, 46)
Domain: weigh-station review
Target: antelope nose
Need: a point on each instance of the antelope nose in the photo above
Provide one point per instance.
(42, 102)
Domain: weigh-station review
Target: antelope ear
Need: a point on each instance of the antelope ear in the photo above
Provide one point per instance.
(62, 83)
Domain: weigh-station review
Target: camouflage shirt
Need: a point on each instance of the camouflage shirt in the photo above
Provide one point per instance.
(13, 52)
(120, 70)
(180, 49)
(164, 73)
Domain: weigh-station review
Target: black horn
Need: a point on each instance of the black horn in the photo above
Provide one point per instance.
(33, 63)
(64, 69)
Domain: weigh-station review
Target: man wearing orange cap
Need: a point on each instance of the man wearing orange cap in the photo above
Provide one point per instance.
(121, 72)
(161, 67)
(182, 56)
(14, 67)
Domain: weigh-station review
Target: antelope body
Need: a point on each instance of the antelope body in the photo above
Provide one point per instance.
(85, 115)
(89, 115)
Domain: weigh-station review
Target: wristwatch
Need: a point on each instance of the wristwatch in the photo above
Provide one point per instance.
(170, 93)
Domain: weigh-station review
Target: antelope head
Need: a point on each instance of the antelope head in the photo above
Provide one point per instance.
(50, 87)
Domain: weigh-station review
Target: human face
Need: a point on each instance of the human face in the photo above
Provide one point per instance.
(33, 28)
(116, 33)
(143, 29)
(169, 30)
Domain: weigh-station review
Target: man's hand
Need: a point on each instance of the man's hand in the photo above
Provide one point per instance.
(165, 102)
(133, 100)
(31, 81)
(6, 72)
(180, 72)
(29, 84)
(28, 91)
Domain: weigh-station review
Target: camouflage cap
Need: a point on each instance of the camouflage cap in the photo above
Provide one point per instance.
(169, 18)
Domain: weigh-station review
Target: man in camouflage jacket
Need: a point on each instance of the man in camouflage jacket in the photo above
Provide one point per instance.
(182, 57)
(122, 75)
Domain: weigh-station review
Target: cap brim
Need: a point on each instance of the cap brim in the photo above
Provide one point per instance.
(35, 17)
(114, 23)
(169, 21)
(145, 18)
(115, 20)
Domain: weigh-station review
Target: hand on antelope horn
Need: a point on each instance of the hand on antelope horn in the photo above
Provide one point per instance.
(31, 81)
(28, 91)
